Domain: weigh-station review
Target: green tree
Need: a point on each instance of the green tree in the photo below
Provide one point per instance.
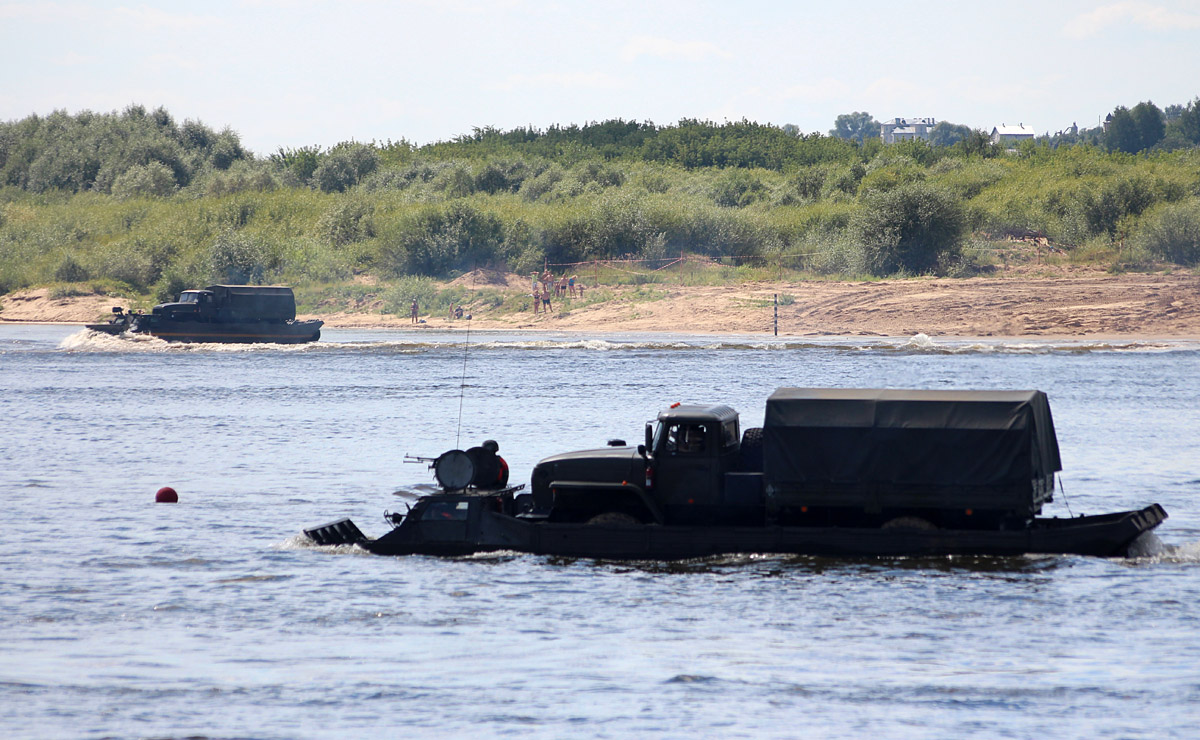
(1122, 133)
(978, 144)
(948, 134)
(912, 228)
(857, 126)
(1187, 124)
(1150, 124)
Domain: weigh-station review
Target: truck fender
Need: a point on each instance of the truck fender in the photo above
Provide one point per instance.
(623, 488)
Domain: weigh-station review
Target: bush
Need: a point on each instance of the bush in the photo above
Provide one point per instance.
(536, 187)
(240, 177)
(127, 263)
(306, 259)
(70, 271)
(737, 189)
(912, 229)
(345, 166)
(149, 180)
(176, 279)
(440, 239)
(809, 182)
(349, 221)
(1105, 207)
(1172, 233)
(236, 258)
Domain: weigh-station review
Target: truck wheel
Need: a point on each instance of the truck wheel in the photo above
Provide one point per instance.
(909, 522)
(614, 519)
(752, 450)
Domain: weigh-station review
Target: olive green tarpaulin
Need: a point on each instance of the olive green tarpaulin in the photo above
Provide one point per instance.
(973, 446)
(254, 302)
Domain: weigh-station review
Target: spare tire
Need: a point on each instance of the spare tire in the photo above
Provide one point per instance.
(752, 450)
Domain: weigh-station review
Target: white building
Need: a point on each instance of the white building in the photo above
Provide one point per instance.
(1010, 136)
(905, 129)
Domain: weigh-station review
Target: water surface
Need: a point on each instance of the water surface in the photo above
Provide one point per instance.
(121, 618)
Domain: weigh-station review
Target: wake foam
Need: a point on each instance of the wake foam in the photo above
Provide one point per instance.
(302, 542)
(87, 340)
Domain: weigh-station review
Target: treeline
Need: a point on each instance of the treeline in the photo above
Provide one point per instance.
(137, 202)
(133, 152)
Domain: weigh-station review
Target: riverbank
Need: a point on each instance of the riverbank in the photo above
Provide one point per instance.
(1045, 301)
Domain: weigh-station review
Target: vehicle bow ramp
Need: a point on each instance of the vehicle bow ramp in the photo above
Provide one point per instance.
(341, 532)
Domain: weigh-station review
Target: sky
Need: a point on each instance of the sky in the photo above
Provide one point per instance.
(291, 73)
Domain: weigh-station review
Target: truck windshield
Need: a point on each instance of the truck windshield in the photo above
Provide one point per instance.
(189, 297)
(681, 437)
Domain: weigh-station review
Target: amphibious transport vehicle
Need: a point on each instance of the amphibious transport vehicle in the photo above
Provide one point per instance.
(220, 313)
(833, 472)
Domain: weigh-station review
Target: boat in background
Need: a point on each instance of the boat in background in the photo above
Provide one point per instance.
(220, 313)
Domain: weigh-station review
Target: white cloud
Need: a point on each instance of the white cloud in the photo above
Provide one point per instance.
(560, 80)
(72, 59)
(155, 19)
(45, 12)
(158, 61)
(1150, 17)
(892, 89)
(654, 46)
(826, 89)
(70, 14)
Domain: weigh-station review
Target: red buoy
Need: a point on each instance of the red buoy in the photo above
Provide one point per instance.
(166, 495)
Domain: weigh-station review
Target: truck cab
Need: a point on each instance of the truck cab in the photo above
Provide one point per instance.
(691, 469)
(193, 305)
(690, 450)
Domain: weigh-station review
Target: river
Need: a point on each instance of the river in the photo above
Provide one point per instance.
(214, 618)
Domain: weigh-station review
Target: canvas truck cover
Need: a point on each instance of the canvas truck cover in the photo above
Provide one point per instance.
(254, 302)
(991, 450)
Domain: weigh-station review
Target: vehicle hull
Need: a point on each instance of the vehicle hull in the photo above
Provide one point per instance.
(245, 332)
(1107, 535)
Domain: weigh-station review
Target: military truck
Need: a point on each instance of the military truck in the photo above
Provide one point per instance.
(221, 313)
(831, 472)
(824, 457)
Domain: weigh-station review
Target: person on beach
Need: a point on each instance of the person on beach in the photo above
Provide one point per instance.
(546, 307)
(537, 299)
(415, 311)
(571, 284)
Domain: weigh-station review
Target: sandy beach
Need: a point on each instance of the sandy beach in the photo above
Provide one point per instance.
(1042, 301)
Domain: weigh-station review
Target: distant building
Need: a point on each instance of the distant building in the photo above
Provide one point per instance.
(1012, 135)
(905, 129)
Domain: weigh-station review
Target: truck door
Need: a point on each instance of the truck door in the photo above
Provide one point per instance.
(685, 479)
